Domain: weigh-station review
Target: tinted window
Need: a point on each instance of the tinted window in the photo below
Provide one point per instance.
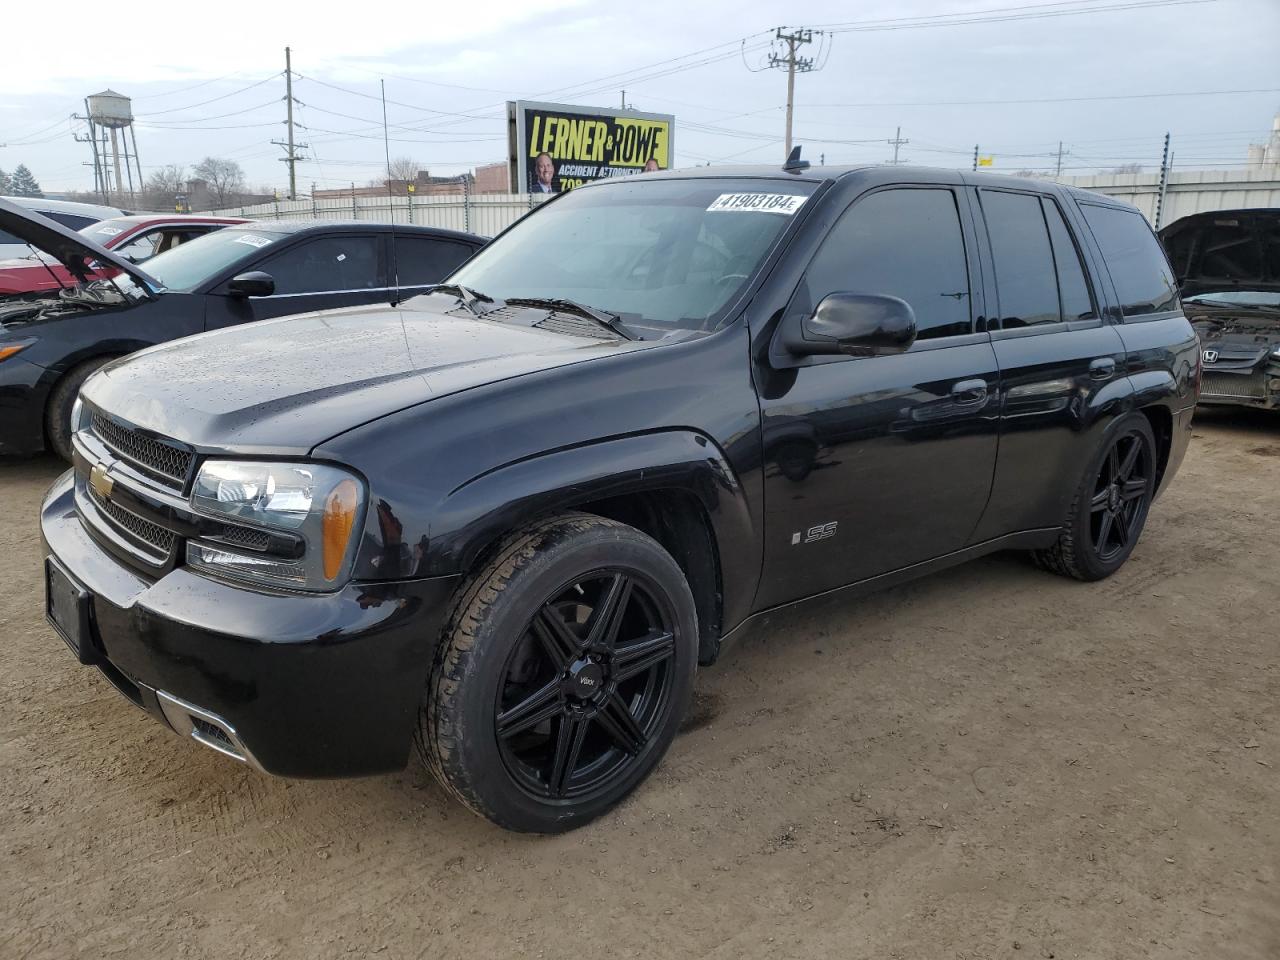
(1073, 288)
(69, 220)
(1134, 259)
(901, 243)
(326, 264)
(420, 260)
(1025, 277)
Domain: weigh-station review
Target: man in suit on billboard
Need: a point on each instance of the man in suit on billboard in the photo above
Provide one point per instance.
(544, 172)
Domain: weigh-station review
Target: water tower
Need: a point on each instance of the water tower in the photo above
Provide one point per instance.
(110, 117)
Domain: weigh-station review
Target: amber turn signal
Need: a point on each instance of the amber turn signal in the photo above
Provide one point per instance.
(339, 518)
(9, 351)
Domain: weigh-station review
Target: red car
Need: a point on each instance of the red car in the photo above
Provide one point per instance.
(136, 238)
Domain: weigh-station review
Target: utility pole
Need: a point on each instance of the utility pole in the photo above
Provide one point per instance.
(291, 148)
(897, 141)
(793, 64)
(975, 157)
(1164, 183)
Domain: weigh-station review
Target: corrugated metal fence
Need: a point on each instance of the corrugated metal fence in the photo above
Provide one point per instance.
(485, 214)
(1188, 191)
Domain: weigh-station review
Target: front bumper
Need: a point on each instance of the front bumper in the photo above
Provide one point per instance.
(24, 390)
(310, 686)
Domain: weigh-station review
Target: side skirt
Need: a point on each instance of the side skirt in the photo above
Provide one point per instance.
(1023, 540)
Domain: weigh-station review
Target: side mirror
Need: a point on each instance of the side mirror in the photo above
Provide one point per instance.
(252, 284)
(857, 324)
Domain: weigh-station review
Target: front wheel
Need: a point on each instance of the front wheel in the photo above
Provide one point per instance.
(57, 416)
(564, 671)
(1110, 507)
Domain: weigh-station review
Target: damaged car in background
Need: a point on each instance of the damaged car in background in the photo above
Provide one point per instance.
(108, 306)
(1228, 268)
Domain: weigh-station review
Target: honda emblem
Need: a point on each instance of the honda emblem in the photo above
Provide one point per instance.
(1211, 356)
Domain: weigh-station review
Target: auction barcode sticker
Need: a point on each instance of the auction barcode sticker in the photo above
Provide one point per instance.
(253, 241)
(784, 203)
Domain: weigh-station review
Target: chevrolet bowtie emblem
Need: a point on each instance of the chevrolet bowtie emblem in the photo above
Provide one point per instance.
(101, 483)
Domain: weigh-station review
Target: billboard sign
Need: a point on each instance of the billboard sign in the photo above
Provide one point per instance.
(555, 147)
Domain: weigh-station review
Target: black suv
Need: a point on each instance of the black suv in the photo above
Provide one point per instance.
(506, 519)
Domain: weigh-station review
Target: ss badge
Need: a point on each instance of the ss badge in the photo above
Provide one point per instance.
(822, 531)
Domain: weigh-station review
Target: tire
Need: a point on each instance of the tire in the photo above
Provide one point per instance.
(1109, 509)
(542, 729)
(57, 412)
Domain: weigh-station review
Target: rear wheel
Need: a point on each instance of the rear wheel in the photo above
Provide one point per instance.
(1110, 507)
(564, 672)
(57, 412)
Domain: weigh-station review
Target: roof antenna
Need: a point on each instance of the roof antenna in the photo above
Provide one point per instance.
(794, 163)
(391, 199)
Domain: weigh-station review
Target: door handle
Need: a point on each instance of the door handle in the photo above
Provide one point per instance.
(1104, 368)
(969, 392)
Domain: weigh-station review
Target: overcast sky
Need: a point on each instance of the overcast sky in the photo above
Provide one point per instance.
(211, 83)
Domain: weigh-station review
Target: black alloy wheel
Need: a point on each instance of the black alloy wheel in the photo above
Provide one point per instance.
(585, 686)
(1110, 507)
(564, 670)
(1121, 496)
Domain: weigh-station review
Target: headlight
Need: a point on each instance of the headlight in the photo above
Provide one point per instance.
(77, 415)
(315, 505)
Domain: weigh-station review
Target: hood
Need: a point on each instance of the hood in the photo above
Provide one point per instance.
(69, 248)
(284, 386)
(1225, 250)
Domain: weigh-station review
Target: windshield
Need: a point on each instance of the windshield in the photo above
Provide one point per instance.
(1237, 298)
(105, 232)
(666, 254)
(188, 266)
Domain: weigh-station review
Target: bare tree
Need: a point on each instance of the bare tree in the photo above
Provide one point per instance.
(403, 168)
(163, 186)
(225, 178)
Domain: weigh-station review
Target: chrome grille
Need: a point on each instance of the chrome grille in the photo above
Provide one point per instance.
(165, 461)
(1252, 387)
(138, 528)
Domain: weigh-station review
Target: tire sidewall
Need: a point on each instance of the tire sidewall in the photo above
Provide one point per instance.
(1129, 425)
(556, 565)
(57, 423)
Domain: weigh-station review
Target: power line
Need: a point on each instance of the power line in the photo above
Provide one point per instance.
(192, 106)
(1090, 99)
(1030, 14)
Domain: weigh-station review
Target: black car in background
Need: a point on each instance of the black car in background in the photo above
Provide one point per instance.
(254, 271)
(1228, 267)
(505, 520)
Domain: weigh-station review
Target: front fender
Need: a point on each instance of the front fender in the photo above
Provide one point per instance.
(473, 516)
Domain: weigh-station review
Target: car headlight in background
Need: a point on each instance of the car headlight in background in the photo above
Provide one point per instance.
(314, 505)
(77, 415)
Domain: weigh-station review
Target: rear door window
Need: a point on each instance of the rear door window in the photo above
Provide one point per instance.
(1135, 260)
(327, 264)
(424, 260)
(1023, 259)
(1073, 287)
(903, 242)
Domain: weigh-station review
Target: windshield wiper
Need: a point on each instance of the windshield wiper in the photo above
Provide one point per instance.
(610, 320)
(466, 296)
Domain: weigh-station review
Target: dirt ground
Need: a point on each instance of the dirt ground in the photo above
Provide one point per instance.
(991, 763)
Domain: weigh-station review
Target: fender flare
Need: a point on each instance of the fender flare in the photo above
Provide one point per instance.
(476, 514)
